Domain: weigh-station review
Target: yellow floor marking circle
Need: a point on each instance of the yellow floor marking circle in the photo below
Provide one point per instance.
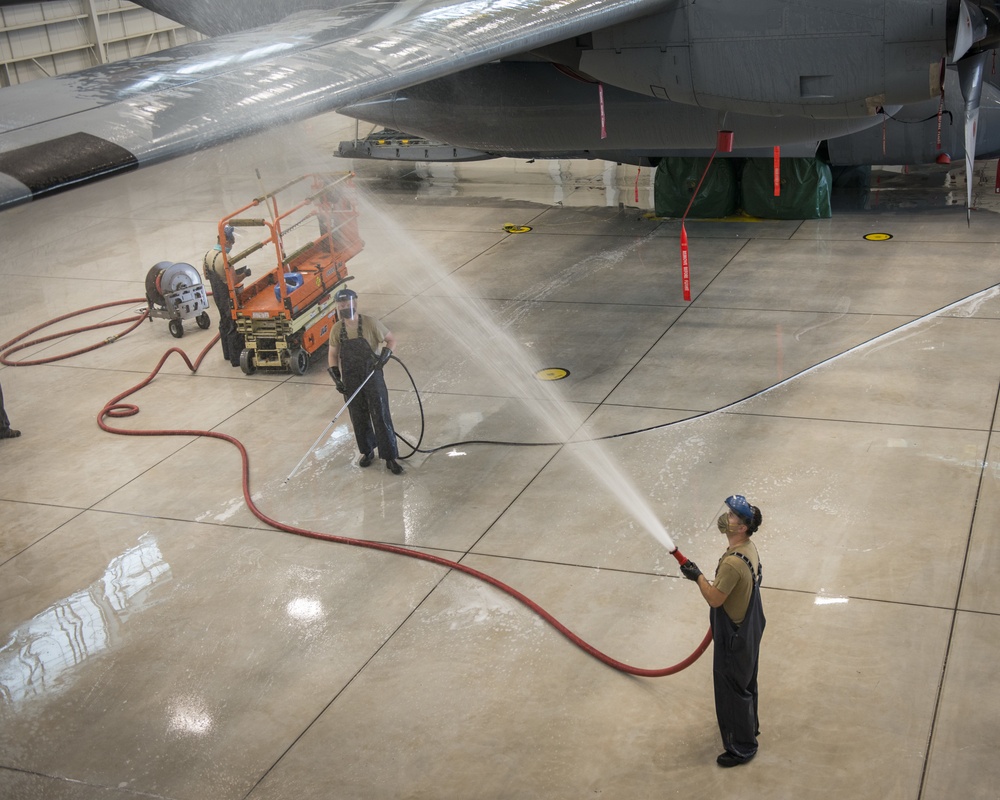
(878, 237)
(551, 374)
(511, 228)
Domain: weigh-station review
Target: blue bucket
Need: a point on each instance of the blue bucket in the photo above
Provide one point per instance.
(293, 280)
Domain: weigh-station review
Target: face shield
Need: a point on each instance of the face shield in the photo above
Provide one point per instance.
(738, 505)
(228, 238)
(347, 303)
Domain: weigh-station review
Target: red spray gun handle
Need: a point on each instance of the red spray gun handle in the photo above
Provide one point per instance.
(681, 558)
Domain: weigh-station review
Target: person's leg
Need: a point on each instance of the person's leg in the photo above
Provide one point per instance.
(734, 669)
(362, 424)
(385, 434)
(737, 718)
(6, 432)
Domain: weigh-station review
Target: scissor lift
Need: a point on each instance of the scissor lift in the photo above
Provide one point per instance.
(286, 313)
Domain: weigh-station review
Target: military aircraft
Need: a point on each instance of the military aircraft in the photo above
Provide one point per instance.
(868, 81)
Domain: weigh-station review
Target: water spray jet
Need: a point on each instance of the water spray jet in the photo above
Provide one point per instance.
(473, 327)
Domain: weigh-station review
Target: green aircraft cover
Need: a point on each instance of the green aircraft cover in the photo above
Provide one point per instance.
(676, 179)
(805, 185)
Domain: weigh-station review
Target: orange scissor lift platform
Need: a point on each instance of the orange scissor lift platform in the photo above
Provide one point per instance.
(286, 313)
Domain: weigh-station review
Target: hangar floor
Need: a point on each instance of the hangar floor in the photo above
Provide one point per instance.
(159, 640)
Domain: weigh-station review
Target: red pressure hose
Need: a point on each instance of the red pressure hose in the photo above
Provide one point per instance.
(8, 347)
(115, 408)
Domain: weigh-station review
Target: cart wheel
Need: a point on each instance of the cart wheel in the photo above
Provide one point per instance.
(176, 328)
(203, 320)
(298, 361)
(246, 361)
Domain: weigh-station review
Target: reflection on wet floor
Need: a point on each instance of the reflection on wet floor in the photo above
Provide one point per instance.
(41, 654)
(598, 183)
(160, 640)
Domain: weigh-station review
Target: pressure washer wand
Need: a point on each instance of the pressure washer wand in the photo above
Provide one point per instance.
(327, 428)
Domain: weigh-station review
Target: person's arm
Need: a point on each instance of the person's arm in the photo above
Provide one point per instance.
(388, 343)
(333, 364)
(712, 596)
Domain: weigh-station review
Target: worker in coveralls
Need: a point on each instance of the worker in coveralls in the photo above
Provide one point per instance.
(6, 432)
(214, 269)
(354, 354)
(737, 618)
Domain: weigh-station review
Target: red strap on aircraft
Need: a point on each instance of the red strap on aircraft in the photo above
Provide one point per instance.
(777, 172)
(600, 94)
(685, 266)
(724, 144)
(940, 107)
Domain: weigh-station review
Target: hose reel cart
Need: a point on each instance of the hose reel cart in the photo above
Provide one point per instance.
(174, 291)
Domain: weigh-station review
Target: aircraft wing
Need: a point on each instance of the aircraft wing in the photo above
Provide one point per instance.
(59, 132)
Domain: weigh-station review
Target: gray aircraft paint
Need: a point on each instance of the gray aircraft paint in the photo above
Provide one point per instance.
(780, 73)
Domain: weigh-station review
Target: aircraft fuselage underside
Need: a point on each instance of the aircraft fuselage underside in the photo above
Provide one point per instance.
(534, 108)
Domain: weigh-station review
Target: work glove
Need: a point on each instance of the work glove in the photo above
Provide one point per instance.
(383, 358)
(690, 570)
(338, 382)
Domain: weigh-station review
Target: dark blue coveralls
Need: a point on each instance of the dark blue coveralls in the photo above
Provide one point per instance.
(370, 409)
(232, 342)
(737, 648)
(4, 421)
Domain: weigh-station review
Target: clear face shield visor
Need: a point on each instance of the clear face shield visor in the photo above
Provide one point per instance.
(347, 308)
(736, 504)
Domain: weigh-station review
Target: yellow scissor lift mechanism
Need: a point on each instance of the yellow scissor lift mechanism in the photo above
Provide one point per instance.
(285, 315)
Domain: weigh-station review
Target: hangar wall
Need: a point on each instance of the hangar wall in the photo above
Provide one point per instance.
(39, 40)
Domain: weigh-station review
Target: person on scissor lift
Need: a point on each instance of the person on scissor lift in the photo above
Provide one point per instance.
(214, 269)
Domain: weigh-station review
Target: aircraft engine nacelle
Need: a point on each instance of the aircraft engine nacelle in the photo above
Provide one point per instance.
(812, 58)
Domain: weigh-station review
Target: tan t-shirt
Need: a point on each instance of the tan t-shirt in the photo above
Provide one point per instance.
(371, 327)
(732, 577)
(214, 264)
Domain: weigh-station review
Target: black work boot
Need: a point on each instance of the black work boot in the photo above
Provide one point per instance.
(367, 459)
(393, 466)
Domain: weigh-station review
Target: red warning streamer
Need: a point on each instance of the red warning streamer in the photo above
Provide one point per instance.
(940, 105)
(777, 172)
(600, 94)
(685, 265)
(723, 143)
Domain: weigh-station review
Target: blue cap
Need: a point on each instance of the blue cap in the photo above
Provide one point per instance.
(738, 505)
